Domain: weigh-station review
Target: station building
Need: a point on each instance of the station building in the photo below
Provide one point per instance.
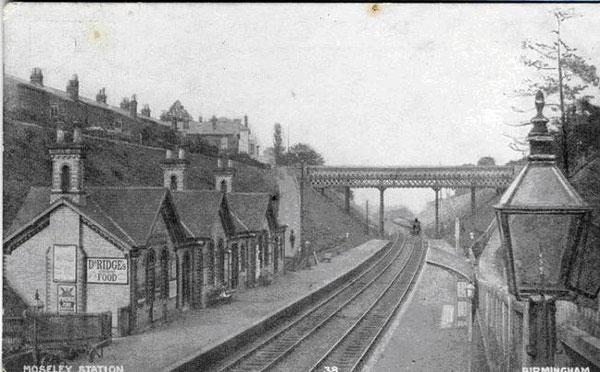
(143, 253)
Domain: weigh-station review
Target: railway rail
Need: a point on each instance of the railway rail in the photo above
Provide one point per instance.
(350, 351)
(269, 353)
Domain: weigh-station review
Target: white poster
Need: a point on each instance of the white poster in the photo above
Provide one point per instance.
(65, 263)
(107, 270)
(172, 288)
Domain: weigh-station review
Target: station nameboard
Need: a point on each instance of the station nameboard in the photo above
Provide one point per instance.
(107, 270)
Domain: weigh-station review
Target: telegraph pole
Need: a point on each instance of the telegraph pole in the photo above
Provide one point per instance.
(302, 240)
(367, 216)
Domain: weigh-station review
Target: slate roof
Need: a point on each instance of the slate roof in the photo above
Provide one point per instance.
(10, 79)
(128, 213)
(248, 210)
(198, 210)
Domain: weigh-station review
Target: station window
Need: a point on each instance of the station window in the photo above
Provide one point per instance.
(53, 111)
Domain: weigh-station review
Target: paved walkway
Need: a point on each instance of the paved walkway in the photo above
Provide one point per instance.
(431, 332)
(439, 254)
(199, 330)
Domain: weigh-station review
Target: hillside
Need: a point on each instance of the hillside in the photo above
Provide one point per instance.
(326, 222)
(27, 163)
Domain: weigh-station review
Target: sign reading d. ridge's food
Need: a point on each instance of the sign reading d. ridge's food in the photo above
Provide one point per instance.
(107, 270)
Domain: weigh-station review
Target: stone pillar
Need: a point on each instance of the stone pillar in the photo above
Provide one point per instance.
(347, 199)
(472, 200)
(381, 212)
(437, 212)
(541, 347)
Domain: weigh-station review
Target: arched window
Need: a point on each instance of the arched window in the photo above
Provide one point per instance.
(221, 261)
(164, 268)
(243, 257)
(224, 186)
(211, 262)
(186, 279)
(261, 251)
(173, 185)
(150, 260)
(65, 178)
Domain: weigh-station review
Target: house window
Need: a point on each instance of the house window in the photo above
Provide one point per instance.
(65, 179)
(221, 261)
(53, 111)
(224, 143)
(173, 185)
(164, 268)
(243, 256)
(211, 262)
(150, 276)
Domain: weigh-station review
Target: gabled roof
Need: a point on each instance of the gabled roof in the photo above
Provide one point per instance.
(128, 213)
(198, 210)
(249, 210)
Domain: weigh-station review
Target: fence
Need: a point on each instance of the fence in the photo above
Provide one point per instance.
(501, 320)
(57, 330)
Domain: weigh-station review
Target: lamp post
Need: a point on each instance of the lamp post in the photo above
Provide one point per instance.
(35, 310)
(543, 226)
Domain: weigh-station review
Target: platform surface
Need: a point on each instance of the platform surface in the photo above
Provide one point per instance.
(199, 330)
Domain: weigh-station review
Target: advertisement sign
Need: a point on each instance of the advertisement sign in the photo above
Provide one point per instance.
(107, 270)
(66, 298)
(65, 263)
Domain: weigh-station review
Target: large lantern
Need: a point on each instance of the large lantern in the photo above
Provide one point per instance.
(543, 222)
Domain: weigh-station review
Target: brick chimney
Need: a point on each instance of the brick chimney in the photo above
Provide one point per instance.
(73, 88)
(200, 119)
(246, 121)
(145, 111)
(213, 121)
(37, 78)
(175, 168)
(101, 96)
(68, 166)
(133, 106)
(174, 124)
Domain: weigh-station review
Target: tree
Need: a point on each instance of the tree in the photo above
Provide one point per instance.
(561, 71)
(277, 143)
(302, 152)
(486, 161)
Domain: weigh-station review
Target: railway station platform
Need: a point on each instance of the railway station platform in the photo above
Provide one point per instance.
(197, 331)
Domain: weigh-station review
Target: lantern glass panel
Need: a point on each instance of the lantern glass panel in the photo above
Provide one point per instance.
(539, 242)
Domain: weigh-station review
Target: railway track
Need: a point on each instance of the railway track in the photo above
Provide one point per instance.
(350, 351)
(271, 351)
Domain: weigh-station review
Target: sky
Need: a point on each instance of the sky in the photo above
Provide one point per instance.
(409, 84)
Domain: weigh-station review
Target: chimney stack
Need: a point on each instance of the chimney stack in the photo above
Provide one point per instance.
(145, 111)
(101, 96)
(246, 121)
(213, 121)
(133, 106)
(73, 88)
(200, 119)
(37, 78)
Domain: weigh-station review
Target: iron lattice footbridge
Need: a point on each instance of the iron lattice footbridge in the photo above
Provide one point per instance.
(472, 177)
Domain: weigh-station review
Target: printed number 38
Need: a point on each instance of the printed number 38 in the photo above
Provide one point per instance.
(331, 369)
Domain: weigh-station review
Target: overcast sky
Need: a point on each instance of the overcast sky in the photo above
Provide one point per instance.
(410, 84)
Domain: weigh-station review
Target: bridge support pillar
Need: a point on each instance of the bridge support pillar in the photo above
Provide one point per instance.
(437, 212)
(381, 212)
(472, 200)
(347, 199)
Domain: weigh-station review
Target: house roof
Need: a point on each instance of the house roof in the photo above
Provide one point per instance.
(248, 209)
(198, 210)
(65, 96)
(128, 213)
